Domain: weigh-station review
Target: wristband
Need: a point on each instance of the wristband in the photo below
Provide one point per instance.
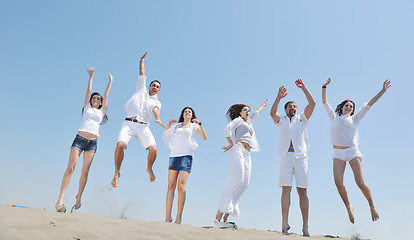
(199, 123)
(323, 86)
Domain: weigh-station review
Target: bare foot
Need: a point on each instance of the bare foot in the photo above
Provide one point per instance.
(151, 175)
(219, 215)
(78, 203)
(350, 210)
(114, 182)
(225, 217)
(374, 213)
(305, 232)
(59, 204)
(168, 219)
(285, 228)
(178, 221)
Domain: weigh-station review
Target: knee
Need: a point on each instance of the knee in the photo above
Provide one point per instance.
(120, 146)
(286, 190)
(302, 192)
(70, 169)
(171, 186)
(339, 183)
(361, 184)
(152, 150)
(181, 188)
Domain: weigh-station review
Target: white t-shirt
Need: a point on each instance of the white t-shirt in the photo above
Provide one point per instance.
(181, 141)
(293, 130)
(344, 131)
(91, 119)
(141, 104)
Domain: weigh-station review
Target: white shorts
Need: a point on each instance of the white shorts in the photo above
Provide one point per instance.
(289, 166)
(138, 130)
(347, 154)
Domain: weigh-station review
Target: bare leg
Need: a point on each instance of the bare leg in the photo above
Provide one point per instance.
(87, 161)
(225, 217)
(356, 165)
(304, 208)
(119, 157)
(182, 180)
(152, 155)
(73, 159)
(172, 183)
(285, 201)
(339, 170)
(219, 215)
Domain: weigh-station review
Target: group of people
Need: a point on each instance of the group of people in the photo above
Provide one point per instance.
(180, 137)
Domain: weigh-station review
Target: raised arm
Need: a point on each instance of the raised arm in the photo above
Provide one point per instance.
(201, 131)
(106, 94)
(324, 98)
(156, 111)
(311, 101)
(273, 112)
(172, 120)
(262, 107)
(385, 86)
(142, 65)
(89, 89)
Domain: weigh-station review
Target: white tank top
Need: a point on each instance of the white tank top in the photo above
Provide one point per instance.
(91, 120)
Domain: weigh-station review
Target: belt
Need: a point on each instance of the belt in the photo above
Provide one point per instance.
(134, 120)
(291, 150)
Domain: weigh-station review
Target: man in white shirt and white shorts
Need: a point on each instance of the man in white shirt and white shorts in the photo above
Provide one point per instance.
(139, 108)
(293, 153)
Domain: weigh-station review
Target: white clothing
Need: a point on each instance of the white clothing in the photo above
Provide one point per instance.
(347, 154)
(91, 119)
(293, 130)
(291, 165)
(140, 131)
(237, 181)
(141, 104)
(230, 131)
(344, 127)
(181, 141)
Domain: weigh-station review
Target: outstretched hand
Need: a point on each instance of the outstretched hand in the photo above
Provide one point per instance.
(195, 120)
(172, 120)
(111, 78)
(282, 92)
(160, 123)
(386, 85)
(90, 71)
(327, 82)
(265, 103)
(299, 83)
(143, 55)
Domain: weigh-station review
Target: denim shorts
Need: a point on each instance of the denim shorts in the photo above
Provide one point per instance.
(84, 144)
(182, 163)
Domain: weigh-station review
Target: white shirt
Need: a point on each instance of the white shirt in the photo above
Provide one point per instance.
(230, 131)
(293, 130)
(181, 141)
(91, 119)
(141, 104)
(344, 131)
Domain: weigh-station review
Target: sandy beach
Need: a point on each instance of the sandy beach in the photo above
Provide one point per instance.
(29, 223)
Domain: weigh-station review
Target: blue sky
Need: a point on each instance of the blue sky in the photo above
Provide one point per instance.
(208, 55)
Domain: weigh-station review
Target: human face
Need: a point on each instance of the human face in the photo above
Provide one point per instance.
(188, 114)
(245, 112)
(96, 101)
(291, 110)
(154, 88)
(347, 108)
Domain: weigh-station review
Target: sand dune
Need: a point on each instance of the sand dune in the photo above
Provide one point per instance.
(28, 223)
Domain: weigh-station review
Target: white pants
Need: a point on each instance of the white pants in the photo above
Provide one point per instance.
(237, 182)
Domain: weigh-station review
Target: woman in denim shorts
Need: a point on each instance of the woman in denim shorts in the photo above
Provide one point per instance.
(180, 138)
(344, 138)
(93, 115)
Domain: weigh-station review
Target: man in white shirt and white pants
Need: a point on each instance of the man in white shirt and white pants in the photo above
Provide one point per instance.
(293, 153)
(140, 107)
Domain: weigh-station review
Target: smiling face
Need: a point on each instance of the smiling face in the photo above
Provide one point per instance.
(96, 100)
(154, 88)
(290, 109)
(244, 113)
(348, 108)
(187, 114)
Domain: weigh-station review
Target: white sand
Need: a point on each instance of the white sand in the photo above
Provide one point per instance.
(28, 223)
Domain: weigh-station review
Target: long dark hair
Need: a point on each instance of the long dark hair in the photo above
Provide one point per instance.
(181, 119)
(234, 111)
(342, 104)
(105, 118)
